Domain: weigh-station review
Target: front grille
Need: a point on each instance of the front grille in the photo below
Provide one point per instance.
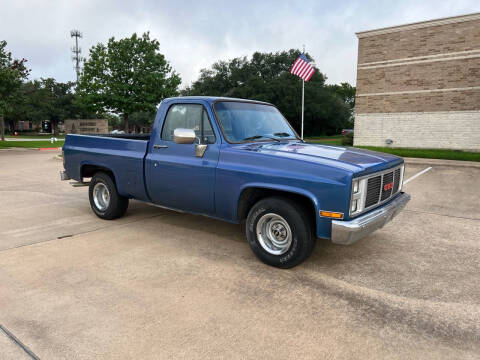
(387, 190)
(373, 190)
(380, 187)
(396, 180)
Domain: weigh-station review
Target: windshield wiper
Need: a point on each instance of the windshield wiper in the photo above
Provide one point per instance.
(282, 134)
(254, 137)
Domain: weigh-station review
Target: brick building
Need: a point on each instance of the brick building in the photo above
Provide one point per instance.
(418, 85)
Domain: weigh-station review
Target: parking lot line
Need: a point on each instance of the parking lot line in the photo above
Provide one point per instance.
(19, 343)
(417, 175)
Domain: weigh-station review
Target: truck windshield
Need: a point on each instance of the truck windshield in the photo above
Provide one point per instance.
(244, 122)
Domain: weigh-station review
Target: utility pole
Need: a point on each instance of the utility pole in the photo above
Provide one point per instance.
(76, 50)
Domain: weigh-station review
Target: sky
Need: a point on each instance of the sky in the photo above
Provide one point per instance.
(195, 34)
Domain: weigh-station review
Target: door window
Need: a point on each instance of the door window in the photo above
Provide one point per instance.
(188, 116)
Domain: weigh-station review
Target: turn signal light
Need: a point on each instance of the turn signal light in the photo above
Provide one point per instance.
(331, 214)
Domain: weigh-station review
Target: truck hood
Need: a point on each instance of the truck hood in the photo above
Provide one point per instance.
(358, 161)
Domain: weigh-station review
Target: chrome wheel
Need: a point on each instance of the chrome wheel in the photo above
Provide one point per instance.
(101, 196)
(274, 234)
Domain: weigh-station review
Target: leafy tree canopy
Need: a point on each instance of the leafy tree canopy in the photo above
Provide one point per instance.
(12, 73)
(266, 77)
(127, 76)
(347, 93)
(44, 99)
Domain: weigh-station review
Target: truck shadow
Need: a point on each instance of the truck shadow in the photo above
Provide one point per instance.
(325, 253)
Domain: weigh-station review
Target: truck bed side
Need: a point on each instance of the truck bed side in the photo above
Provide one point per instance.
(123, 157)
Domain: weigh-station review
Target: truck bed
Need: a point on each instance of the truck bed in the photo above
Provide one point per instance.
(124, 154)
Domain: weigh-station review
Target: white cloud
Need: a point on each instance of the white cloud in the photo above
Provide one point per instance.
(194, 34)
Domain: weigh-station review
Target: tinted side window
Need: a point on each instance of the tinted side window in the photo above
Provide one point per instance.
(188, 116)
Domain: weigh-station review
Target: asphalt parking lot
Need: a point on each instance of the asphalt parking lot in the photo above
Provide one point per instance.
(158, 284)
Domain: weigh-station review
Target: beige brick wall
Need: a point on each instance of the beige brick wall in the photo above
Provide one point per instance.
(460, 73)
(460, 36)
(419, 85)
(419, 102)
(441, 129)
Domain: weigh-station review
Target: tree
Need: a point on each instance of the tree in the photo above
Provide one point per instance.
(266, 77)
(347, 93)
(59, 101)
(44, 99)
(12, 73)
(28, 104)
(142, 119)
(126, 76)
(114, 121)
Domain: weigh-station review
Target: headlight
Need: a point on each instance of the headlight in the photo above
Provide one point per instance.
(354, 206)
(357, 200)
(355, 186)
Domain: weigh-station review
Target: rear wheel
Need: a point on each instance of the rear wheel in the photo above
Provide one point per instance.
(105, 201)
(279, 232)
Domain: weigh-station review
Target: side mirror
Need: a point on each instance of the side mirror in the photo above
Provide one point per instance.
(184, 136)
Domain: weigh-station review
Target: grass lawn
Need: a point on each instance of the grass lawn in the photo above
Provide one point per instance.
(39, 136)
(30, 144)
(418, 153)
(428, 153)
(325, 140)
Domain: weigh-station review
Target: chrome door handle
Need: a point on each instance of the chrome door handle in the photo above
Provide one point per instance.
(160, 146)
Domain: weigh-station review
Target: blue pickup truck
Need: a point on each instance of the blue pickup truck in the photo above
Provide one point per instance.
(240, 160)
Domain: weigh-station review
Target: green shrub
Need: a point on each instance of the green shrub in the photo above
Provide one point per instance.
(347, 140)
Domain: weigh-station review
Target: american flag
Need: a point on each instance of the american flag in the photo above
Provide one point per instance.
(302, 68)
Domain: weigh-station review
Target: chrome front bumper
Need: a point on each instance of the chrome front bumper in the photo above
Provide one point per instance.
(348, 232)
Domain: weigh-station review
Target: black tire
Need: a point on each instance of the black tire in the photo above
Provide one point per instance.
(297, 218)
(117, 205)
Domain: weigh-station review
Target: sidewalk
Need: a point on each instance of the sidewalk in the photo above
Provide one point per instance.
(31, 139)
(441, 162)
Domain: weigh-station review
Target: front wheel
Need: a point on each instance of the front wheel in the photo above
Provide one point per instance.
(104, 199)
(279, 232)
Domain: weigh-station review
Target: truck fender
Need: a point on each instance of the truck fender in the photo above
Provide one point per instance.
(100, 165)
(284, 188)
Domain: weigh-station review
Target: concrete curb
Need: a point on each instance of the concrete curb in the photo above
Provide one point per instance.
(441, 162)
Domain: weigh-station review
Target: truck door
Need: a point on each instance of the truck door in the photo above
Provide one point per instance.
(175, 176)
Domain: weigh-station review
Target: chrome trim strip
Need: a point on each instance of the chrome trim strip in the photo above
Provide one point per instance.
(402, 171)
(378, 173)
(348, 232)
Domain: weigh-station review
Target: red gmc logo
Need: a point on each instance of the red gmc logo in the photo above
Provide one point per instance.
(388, 186)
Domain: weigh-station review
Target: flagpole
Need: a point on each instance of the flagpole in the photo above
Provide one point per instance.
(303, 102)
(303, 98)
